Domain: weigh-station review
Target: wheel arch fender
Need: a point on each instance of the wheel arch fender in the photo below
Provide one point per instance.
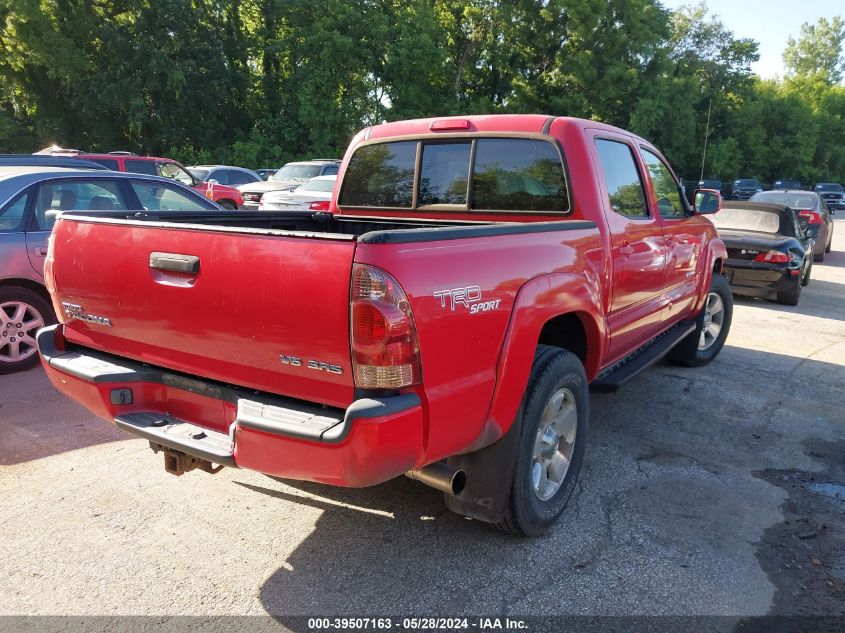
(712, 263)
(540, 302)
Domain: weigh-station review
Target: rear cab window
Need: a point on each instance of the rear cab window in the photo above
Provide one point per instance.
(508, 175)
(141, 167)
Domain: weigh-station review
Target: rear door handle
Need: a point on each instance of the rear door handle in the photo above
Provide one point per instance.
(175, 262)
(39, 250)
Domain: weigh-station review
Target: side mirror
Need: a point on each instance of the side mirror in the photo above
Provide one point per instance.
(707, 201)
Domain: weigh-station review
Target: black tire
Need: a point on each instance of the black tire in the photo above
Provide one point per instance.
(554, 370)
(790, 297)
(818, 257)
(687, 352)
(805, 280)
(228, 205)
(829, 243)
(35, 304)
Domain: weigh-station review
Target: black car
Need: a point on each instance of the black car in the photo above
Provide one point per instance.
(832, 193)
(744, 188)
(769, 253)
(813, 213)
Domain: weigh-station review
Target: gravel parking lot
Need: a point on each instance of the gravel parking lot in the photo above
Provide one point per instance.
(713, 491)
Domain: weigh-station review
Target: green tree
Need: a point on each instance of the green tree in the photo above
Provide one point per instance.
(817, 51)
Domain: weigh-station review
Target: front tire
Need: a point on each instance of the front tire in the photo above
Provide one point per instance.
(22, 313)
(553, 428)
(228, 205)
(713, 325)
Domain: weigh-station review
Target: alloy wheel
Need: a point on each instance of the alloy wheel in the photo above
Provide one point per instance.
(19, 322)
(714, 318)
(554, 444)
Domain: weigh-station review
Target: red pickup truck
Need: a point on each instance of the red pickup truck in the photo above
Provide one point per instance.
(445, 319)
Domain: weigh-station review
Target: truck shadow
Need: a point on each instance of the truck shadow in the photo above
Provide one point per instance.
(662, 496)
(38, 421)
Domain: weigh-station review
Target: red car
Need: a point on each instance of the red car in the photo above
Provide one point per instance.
(227, 197)
(445, 319)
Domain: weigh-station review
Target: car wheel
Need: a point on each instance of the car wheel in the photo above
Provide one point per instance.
(713, 324)
(228, 205)
(819, 257)
(22, 313)
(790, 297)
(553, 429)
(805, 280)
(829, 243)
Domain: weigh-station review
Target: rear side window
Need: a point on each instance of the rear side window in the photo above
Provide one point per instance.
(76, 195)
(624, 185)
(508, 174)
(330, 170)
(11, 216)
(142, 167)
(381, 176)
(108, 163)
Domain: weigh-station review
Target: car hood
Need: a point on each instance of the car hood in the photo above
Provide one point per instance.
(269, 185)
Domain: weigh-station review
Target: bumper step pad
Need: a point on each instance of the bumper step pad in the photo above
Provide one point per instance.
(178, 435)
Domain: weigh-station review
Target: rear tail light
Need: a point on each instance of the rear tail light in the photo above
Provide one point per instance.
(319, 205)
(385, 350)
(773, 257)
(811, 216)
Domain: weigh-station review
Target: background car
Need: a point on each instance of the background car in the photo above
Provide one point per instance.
(225, 196)
(288, 177)
(833, 195)
(812, 211)
(224, 174)
(769, 252)
(313, 195)
(785, 183)
(265, 172)
(744, 188)
(30, 197)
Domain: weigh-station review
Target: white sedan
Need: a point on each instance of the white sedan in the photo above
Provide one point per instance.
(313, 195)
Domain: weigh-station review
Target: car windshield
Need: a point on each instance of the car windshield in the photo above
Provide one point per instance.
(710, 184)
(830, 187)
(296, 172)
(325, 186)
(199, 174)
(746, 220)
(794, 200)
(747, 182)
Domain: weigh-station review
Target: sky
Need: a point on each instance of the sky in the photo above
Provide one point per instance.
(770, 22)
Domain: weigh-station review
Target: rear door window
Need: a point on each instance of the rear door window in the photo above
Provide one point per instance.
(141, 167)
(157, 196)
(76, 195)
(12, 215)
(624, 186)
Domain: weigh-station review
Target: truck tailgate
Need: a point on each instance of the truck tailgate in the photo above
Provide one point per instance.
(248, 307)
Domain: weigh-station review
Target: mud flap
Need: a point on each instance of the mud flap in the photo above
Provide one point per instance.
(489, 477)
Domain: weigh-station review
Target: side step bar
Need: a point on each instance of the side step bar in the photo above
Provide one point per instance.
(617, 375)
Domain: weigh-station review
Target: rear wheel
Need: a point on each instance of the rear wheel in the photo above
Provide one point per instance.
(550, 451)
(713, 325)
(228, 205)
(22, 313)
(805, 280)
(790, 297)
(819, 257)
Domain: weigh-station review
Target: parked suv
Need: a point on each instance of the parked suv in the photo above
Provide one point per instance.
(832, 193)
(288, 177)
(227, 197)
(31, 195)
(744, 188)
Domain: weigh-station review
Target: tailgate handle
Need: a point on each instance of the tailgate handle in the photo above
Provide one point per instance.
(175, 262)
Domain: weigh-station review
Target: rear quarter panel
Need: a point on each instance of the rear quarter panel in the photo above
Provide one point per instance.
(461, 349)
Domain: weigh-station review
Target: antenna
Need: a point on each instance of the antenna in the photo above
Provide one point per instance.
(706, 134)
